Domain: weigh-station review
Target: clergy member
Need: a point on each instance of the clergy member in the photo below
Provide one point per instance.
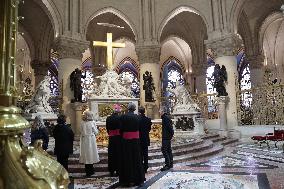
(113, 125)
(131, 168)
(144, 129)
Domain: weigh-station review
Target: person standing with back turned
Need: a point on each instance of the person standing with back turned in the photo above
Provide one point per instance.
(88, 144)
(64, 138)
(131, 169)
(167, 135)
(113, 125)
(144, 129)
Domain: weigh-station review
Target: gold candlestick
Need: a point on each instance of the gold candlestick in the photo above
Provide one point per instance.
(21, 166)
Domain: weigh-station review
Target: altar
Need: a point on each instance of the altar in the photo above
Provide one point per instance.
(103, 107)
(155, 133)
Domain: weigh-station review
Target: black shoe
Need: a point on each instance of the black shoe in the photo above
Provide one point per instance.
(171, 166)
(165, 168)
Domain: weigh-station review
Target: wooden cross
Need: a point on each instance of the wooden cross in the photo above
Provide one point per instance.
(109, 44)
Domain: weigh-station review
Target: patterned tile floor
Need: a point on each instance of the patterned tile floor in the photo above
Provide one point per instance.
(239, 166)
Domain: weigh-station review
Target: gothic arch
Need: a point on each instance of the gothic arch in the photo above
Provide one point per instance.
(115, 12)
(177, 61)
(235, 14)
(177, 11)
(266, 23)
(117, 67)
(51, 10)
(28, 40)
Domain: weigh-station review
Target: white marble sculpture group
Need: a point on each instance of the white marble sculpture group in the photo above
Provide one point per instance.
(184, 102)
(113, 86)
(39, 101)
(39, 104)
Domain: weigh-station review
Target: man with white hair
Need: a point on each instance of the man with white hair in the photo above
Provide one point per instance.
(113, 125)
(131, 170)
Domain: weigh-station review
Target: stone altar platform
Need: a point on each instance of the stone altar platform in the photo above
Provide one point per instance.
(103, 107)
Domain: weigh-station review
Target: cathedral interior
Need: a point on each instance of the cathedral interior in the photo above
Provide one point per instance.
(235, 142)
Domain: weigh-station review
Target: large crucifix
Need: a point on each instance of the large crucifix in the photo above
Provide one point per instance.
(109, 44)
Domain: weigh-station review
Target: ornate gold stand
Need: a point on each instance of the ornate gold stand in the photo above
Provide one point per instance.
(22, 167)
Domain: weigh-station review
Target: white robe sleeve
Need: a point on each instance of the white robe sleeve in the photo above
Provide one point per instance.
(94, 128)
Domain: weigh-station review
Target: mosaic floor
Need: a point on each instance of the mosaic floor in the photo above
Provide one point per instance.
(239, 166)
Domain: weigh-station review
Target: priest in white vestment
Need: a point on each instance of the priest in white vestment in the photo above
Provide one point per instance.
(88, 145)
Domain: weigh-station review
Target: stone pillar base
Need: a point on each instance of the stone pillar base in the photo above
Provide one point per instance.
(150, 109)
(76, 123)
(223, 133)
(234, 134)
(200, 125)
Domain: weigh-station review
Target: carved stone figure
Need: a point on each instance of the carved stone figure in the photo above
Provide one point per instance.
(184, 101)
(39, 102)
(184, 123)
(111, 85)
(75, 84)
(148, 86)
(220, 77)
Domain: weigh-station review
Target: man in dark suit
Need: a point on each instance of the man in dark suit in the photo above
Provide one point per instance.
(113, 125)
(64, 138)
(167, 135)
(131, 168)
(144, 129)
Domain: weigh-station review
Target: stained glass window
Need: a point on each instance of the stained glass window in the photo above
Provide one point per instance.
(128, 68)
(53, 73)
(244, 79)
(210, 90)
(135, 88)
(172, 73)
(88, 80)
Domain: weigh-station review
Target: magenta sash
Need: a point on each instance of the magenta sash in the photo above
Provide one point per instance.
(113, 132)
(131, 135)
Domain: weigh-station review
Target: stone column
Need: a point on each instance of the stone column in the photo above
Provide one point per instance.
(198, 78)
(225, 50)
(40, 70)
(77, 108)
(222, 104)
(149, 57)
(70, 53)
(200, 125)
(257, 68)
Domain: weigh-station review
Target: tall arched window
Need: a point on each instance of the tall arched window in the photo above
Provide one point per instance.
(88, 80)
(172, 72)
(128, 68)
(209, 84)
(244, 78)
(53, 73)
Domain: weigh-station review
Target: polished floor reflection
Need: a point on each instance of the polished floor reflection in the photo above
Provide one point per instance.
(210, 163)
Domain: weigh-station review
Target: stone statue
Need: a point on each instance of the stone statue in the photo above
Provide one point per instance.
(220, 77)
(148, 86)
(76, 84)
(112, 86)
(39, 102)
(184, 101)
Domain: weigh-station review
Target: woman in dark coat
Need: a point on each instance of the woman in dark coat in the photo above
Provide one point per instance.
(64, 138)
(131, 169)
(39, 132)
